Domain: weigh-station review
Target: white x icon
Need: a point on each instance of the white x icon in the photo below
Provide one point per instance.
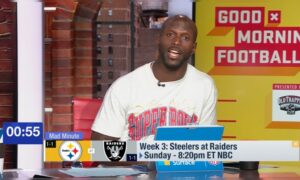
(274, 16)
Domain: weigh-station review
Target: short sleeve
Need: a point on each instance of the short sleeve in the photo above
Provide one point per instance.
(208, 115)
(111, 117)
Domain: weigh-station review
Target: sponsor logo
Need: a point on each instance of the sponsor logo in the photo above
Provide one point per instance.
(114, 150)
(214, 163)
(70, 151)
(289, 103)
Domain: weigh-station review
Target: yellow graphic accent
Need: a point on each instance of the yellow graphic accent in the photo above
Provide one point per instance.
(167, 163)
(295, 144)
(220, 31)
(246, 107)
(53, 154)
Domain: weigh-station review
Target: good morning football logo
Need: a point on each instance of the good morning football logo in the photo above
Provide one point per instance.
(255, 43)
(114, 150)
(70, 151)
(290, 104)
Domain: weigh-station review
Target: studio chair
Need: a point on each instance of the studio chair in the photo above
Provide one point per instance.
(84, 114)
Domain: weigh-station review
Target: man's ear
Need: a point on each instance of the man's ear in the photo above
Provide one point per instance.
(157, 39)
(194, 47)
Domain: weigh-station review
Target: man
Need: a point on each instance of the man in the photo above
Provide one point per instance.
(165, 92)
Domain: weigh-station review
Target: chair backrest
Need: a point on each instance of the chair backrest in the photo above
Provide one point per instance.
(84, 113)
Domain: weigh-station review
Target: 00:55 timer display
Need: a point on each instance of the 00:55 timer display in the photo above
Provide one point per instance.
(22, 133)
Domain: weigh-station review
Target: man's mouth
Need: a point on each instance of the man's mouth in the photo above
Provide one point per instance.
(174, 53)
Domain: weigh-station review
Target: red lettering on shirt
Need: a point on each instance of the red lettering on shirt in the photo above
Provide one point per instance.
(146, 122)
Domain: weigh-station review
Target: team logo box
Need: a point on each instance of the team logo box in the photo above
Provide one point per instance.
(70, 151)
(115, 150)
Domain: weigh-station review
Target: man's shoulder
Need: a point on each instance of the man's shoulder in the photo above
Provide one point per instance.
(197, 75)
(201, 81)
(132, 76)
(140, 70)
(136, 73)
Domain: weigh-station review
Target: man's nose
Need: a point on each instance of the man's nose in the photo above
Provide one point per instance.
(176, 40)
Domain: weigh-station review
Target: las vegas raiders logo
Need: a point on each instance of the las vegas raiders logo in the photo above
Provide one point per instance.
(115, 150)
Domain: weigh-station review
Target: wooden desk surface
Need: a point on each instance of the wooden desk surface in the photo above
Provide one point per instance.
(265, 172)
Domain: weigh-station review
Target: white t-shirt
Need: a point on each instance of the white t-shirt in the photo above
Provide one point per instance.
(135, 105)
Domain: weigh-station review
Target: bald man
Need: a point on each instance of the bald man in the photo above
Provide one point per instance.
(165, 92)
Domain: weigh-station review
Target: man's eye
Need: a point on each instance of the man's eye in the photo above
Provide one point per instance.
(169, 34)
(186, 38)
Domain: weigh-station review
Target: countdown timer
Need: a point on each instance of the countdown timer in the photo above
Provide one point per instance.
(22, 133)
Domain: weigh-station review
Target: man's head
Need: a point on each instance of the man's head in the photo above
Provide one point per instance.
(177, 41)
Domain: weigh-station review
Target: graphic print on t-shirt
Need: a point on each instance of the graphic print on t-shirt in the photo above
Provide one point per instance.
(145, 123)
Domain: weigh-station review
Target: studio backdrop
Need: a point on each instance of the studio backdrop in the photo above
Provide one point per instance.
(252, 51)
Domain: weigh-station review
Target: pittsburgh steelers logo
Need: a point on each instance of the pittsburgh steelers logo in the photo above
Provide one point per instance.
(70, 151)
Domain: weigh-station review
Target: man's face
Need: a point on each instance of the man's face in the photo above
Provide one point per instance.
(177, 44)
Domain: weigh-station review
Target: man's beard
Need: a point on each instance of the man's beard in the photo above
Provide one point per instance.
(169, 66)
